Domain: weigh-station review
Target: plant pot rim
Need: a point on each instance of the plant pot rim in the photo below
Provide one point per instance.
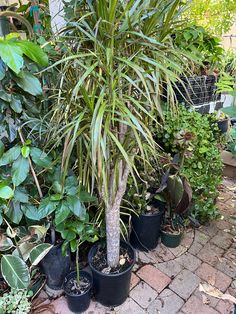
(161, 211)
(112, 275)
(73, 274)
(221, 120)
(173, 234)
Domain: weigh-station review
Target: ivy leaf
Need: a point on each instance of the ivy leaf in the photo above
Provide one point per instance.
(46, 207)
(30, 212)
(16, 105)
(11, 55)
(76, 207)
(33, 52)
(40, 158)
(11, 155)
(62, 212)
(25, 150)
(20, 195)
(20, 170)
(14, 212)
(29, 83)
(5, 191)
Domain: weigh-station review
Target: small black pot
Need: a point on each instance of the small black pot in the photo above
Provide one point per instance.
(171, 240)
(146, 230)
(55, 266)
(111, 289)
(78, 303)
(223, 125)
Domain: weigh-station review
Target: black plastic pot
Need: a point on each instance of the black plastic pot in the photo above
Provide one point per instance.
(171, 240)
(55, 266)
(78, 303)
(223, 125)
(4, 23)
(111, 289)
(146, 230)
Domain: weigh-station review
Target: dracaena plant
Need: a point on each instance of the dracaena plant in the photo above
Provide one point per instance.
(111, 93)
(21, 249)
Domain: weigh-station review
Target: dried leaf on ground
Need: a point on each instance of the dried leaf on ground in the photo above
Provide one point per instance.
(211, 280)
(214, 292)
(205, 299)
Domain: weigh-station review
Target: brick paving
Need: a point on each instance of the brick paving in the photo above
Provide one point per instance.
(166, 281)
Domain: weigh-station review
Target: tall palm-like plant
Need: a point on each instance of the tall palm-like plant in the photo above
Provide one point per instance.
(112, 77)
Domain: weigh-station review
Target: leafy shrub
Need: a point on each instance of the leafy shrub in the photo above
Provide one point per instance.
(202, 163)
(16, 301)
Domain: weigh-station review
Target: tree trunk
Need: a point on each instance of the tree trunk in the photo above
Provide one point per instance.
(113, 236)
(113, 217)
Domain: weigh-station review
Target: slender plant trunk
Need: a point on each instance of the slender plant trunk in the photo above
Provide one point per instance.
(113, 236)
(113, 217)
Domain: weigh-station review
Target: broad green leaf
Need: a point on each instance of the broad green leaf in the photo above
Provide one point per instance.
(33, 52)
(2, 69)
(14, 212)
(25, 151)
(30, 212)
(73, 245)
(5, 96)
(175, 189)
(5, 243)
(38, 253)
(71, 185)
(6, 192)
(15, 272)
(76, 207)
(29, 83)
(39, 157)
(25, 248)
(20, 195)
(16, 104)
(86, 197)
(62, 212)
(20, 170)
(46, 207)
(11, 55)
(2, 148)
(9, 156)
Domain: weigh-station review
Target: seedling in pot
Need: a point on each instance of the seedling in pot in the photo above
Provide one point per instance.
(78, 284)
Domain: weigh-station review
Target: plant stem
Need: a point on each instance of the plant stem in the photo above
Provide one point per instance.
(77, 265)
(31, 167)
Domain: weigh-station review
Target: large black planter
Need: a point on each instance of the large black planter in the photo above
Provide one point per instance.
(197, 90)
(78, 303)
(171, 240)
(146, 230)
(55, 266)
(223, 125)
(4, 23)
(111, 289)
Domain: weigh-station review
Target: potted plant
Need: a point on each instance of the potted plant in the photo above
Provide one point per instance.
(178, 192)
(179, 198)
(147, 212)
(222, 121)
(66, 199)
(78, 284)
(114, 97)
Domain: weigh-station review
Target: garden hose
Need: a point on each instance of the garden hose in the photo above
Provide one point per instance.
(20, 18)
